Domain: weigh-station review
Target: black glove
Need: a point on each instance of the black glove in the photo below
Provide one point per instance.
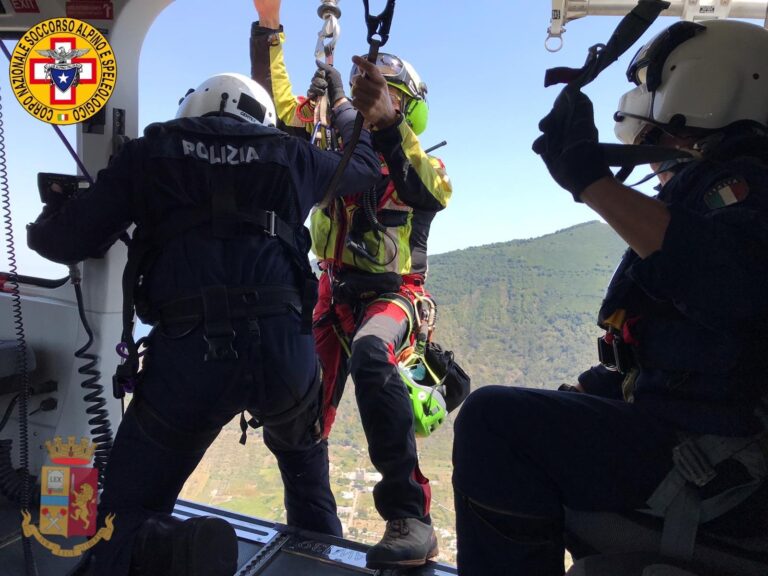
(569, 145)
(317, 86)
(335, 83)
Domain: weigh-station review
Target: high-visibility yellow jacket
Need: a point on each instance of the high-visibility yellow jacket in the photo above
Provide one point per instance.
(413, 186)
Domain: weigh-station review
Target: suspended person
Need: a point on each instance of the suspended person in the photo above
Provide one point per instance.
(219, 197)
(685, 314)
(356, 331)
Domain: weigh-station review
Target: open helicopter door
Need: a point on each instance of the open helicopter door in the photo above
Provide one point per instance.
(564, 11)
(50, 315)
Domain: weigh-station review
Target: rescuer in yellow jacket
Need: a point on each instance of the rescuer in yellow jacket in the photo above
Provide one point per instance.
(372, 250)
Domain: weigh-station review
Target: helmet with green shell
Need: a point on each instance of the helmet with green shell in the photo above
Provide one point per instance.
(429, 409)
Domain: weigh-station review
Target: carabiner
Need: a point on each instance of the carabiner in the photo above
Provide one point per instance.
(379, 25)
(329, 32)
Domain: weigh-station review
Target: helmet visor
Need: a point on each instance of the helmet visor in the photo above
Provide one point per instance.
(647, 65)
(395, 72)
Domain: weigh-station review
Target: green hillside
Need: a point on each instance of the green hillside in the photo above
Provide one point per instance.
(523, 312)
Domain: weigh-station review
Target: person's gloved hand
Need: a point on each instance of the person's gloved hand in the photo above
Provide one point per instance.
(371, 97)
(569, 144)
(334, 81)
(318, 85)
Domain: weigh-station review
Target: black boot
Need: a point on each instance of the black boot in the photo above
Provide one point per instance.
(406, 542)
(203, 546)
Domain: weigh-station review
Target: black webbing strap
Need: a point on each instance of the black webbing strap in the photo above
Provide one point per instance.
(125, 375)
(217, 324)
(627, 156)
(600, 56)
(258, 420)
(242, 301)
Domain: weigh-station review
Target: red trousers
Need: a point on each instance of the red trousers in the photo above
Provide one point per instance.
(361, 340)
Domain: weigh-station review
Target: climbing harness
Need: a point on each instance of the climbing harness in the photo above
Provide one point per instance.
(378, 34)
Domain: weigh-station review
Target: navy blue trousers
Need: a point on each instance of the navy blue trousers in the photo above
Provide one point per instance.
(521, 455)
(188, 400)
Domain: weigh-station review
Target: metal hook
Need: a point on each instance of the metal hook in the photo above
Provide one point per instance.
(330, 31)
(379, 25)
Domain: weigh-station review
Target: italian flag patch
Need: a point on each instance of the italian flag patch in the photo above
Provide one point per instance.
(62, 117)
(726, 192)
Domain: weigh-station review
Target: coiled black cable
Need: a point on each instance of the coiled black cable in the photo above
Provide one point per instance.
(101, 429)
(22, 367)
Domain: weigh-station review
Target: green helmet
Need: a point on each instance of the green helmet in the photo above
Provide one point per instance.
(428, 403)
(402, 75)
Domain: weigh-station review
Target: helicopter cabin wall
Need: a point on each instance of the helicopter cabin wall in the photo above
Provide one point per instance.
(51, 319)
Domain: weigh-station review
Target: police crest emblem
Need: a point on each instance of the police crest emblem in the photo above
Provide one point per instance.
(68, 495)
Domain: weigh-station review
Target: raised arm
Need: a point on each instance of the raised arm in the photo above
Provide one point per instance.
(268, 63)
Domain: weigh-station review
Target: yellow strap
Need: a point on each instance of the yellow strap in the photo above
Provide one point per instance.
(628, 385)
(342, 339)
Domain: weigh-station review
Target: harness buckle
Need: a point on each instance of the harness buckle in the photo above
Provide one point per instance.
(217, 325)
(692, 463)
(220, 347)
(269, 228)
(614, 353)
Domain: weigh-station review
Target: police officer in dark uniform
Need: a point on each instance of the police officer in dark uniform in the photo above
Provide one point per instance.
(685, 318)
(219, 259)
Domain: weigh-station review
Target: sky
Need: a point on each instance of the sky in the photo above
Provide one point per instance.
(483, 63)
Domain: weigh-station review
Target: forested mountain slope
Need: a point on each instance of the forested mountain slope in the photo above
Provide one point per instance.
(523, 312)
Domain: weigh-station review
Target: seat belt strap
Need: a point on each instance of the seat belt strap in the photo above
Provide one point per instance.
(676, 498)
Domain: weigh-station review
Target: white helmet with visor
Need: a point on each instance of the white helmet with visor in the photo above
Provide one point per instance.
(232, 94)
(704, 75)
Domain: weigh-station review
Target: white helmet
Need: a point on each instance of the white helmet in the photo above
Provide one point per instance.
(232, 94)
(697, 75)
